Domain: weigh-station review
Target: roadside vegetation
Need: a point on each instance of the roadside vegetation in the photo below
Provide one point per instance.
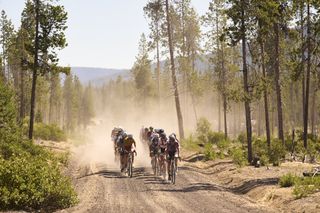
(30, 175)
(214, 146)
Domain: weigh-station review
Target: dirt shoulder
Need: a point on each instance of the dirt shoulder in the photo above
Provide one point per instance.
(258, 184)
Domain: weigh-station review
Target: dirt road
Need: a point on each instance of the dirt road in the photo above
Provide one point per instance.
(104, 189)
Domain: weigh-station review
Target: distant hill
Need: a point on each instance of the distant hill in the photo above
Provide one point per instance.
(98, 76)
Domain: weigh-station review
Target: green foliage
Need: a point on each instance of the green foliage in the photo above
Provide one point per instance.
(49, 132)
(216, 137)
(238, 157)
(203, 130)
(31, 182)
(305, 186)
(288, 180)
(242, 138)
(190, 143)
(209, 153)
(277, 152)
(223, 144)
(30, 176)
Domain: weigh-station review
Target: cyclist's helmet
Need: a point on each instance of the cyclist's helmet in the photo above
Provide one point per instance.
(130, 136)
(124, 134)
(172, 138)
(163, 135)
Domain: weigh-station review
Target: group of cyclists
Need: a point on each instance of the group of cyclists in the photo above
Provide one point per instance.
(124, 145)
(164, 151)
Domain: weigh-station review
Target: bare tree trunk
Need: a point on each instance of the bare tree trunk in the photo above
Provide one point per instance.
(224, 93)
(306, 106)
(35, 69)
(313, 110)
(219, 112)
(277, 81)
(174, 78)
(22, 100)
(265, 96)
(303, 78)
(245, 83)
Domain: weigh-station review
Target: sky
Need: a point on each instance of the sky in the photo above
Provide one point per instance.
(101, 33)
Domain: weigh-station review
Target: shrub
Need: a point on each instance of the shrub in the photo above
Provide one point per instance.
(29, 182)
(203, 129)
(306, 186)
(277, 152)
(223, 144)
(49, 132)
(242, 138)
(190, 143)
(30, 177)
(209, 153)
(288, 180)
(216, 137)
(238, 157)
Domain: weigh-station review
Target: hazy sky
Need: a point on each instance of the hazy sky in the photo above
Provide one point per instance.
(101, 33)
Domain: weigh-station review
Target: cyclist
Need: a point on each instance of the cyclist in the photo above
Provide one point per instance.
(173, 150)
(163, 145)
(154, 147)
(115, 134)
(128, 145)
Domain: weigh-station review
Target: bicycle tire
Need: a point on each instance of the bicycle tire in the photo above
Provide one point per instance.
(173, 172)
(130, 166)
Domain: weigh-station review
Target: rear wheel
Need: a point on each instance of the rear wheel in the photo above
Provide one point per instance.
(155, 168)
(130, 166)
(173, 172)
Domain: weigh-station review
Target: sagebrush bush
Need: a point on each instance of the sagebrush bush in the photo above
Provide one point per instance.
(209, 153)
(190, 143)
(216, 137)
(277, 152)
(238, 157)
(29, 182)
(30, 177)
(242, 138)
(49, 132)
(305, 186)
(203, 130)
(288, 180)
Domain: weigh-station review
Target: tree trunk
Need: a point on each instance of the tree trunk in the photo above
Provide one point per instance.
(302, 60)
(265, 96)
(158, 68)
(245, 84)
(224, 96)
(219, 113)
(174, 78)
(35, 68)
(306, 106)
(313, 110)
(22, 100)
(277, 81)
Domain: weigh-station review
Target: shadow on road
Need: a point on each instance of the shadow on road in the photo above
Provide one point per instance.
(251, 184)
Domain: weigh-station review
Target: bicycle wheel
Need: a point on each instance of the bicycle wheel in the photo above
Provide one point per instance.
(130, 166)
(173, 172)
(155, 166)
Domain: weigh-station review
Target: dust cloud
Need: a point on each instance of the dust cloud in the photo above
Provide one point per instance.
(132, 115)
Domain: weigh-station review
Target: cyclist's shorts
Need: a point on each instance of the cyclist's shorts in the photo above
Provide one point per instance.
(171, 155)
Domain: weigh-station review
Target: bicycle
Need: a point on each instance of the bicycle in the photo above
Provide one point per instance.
(162, 164)
(173, 168)
(129, 164)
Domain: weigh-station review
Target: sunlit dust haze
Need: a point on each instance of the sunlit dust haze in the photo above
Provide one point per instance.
(114, 110)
